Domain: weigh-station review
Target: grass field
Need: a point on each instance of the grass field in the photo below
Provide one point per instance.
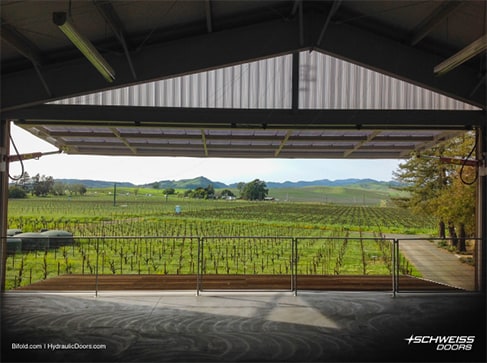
(369, 195)
(142, 234)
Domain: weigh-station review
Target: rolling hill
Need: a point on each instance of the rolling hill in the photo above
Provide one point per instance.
(203, 182)
(199, 182)
(96, 183)
(344, 191)
(352, 194)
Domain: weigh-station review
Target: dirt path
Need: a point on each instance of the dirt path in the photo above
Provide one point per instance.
(435, 263)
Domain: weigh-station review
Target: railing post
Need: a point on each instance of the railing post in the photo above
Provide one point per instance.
(198, 267)
(397, 266)
(393, 257)
(295, 265)
(97, 257)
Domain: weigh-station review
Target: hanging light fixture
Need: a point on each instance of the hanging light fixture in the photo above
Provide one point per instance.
(470, 51)
(84, 45)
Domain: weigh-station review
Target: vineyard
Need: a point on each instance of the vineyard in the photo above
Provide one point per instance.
(144, 235)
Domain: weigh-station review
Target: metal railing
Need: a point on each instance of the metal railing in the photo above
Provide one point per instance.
(260, 259)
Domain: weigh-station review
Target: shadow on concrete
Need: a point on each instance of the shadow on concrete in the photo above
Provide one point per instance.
(242, 327)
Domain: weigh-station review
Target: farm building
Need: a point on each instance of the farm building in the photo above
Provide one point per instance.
(246, 79)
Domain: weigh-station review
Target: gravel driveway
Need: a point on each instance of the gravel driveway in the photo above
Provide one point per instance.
(436, 263)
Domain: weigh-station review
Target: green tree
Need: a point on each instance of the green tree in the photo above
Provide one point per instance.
(59, 188)
(24, 181)
(446, 191)
(240, 187)
(16, 192)
(255, 190)
(210, 192)
(82, 189)
(77, 189)
(226, 193)
(42, 185)
(199, 193)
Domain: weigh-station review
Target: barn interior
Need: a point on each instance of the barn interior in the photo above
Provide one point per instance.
(254, 79)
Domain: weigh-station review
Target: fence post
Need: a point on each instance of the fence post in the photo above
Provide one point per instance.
(396, 266)
(295, 265)
(97, 258)
(393, 266)
(198, 267)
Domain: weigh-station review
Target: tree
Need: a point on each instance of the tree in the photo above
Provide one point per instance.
(59, 188)
(240, 187)
(16, 192)
(199, 193)
(42, 185)
(210, 192)
(77, 189)
(226, 193)
(446, 191)
(255, 190)
(81, 189)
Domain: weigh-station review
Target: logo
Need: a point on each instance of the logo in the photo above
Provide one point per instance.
(444, 342)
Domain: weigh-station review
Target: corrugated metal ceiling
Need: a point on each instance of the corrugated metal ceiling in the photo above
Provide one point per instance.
(325, 82)
(156, 141)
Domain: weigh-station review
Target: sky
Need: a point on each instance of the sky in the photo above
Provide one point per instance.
(144, 170)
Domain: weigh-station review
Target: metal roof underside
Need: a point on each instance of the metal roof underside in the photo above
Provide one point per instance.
(235, 143)
(254, 79)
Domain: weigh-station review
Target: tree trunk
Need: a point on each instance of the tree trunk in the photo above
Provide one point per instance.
(462, 247)
(453, 234)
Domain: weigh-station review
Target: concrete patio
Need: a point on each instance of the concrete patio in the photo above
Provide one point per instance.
(175, 326)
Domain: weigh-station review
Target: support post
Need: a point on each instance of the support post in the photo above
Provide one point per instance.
(4, 152)
(97, 265)
(295, 266)
(295, 82)
(198, 266)
(481, 244)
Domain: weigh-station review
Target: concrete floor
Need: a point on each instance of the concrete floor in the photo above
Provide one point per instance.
(239, 327)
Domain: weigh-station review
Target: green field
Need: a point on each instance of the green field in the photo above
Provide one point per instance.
(371, 195)
(142, 234)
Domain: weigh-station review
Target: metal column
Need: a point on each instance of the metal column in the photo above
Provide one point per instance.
(4, 152)
(481, 248)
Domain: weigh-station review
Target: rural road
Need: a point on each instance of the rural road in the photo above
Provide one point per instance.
(435, 263)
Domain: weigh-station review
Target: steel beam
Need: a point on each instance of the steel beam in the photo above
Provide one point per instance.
(160, 61)
(20, 43)
(23, 46)
(233, 46)
(439, 14)
(209, 21)
(111, 17)
(245, 118)
(402, 61)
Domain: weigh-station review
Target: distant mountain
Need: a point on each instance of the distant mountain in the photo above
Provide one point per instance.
(203, 182)
(199, 182)
(362, 183)
(95, 183)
